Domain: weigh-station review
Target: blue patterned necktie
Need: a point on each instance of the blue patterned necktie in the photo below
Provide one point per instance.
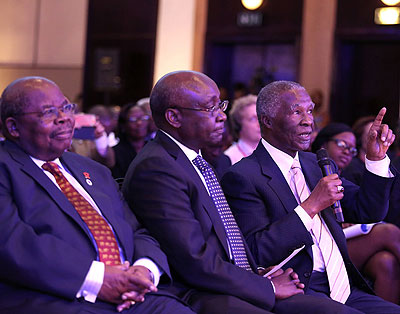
(231, 228)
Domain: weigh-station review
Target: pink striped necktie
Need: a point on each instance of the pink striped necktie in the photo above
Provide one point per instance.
(335, 269)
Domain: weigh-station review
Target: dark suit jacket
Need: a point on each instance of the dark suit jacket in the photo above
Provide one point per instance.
(45, 248)
(168, 196)
(263, 204)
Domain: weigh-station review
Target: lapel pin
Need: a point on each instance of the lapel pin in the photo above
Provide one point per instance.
(87, 176)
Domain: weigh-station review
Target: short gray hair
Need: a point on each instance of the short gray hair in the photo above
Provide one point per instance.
(269, 98)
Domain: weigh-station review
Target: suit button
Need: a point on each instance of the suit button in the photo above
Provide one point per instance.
(307, 274)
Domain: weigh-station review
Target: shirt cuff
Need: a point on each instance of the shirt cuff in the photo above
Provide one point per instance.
(151, 266)
(304, 217)
(102, 144)
(93, 282)
(273, 286)
(379, 167)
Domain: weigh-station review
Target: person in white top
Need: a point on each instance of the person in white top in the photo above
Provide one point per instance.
(245, 128)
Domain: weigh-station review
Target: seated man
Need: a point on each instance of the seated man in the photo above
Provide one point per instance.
(281, 202)
(176, 195)
(67, 240)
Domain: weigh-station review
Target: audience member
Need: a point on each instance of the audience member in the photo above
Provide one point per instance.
(278, 197)
(376, 254)
(57, 208)
(245, 128)
(152, 128)
(177, 196)
(100, 148)
(132, 131)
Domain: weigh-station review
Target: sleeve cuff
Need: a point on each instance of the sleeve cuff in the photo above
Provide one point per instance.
(152, 267)
(102, 144)
(92, 283)
(379, 167)
(304, 217)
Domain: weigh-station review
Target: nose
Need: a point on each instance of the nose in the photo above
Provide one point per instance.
(308, 119)
(62, 116)
(221, 116)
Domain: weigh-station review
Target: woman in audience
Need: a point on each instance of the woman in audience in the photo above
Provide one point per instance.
(132, 130)
(245, 128)
(376, 254)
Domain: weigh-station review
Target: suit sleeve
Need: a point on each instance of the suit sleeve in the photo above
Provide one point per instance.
(162, 198)
(262, 219)
(33, 258)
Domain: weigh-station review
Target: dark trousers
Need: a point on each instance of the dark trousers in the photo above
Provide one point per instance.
(317, 300)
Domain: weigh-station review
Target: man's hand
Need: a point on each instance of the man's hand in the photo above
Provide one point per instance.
(324, 194)
(379, 138)
(118, 280)
(286, 284)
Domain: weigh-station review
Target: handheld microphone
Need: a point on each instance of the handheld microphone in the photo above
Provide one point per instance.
(325, 165)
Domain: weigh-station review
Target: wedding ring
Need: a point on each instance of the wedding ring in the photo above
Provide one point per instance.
(340, 189)
(133, 303)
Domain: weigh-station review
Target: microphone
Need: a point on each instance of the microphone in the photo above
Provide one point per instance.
(324, 163)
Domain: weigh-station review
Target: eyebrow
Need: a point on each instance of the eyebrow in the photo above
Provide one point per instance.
(295, 105)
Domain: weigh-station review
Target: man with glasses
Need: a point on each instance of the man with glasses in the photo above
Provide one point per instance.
(176, 195)
(68, 242)
(281, 202)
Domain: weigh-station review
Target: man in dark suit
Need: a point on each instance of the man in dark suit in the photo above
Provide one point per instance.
(177, 202)
(59, 229)
(276, 216)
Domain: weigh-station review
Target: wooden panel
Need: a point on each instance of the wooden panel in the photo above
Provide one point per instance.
(129, 26)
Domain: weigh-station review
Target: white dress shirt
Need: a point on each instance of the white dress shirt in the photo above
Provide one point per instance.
(95, 276)
(285, 162)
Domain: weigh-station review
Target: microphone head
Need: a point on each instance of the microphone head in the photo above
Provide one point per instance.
(323, 157)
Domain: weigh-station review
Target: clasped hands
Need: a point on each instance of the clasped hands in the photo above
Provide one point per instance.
(125, 285)
(286, 283)
(328, 190)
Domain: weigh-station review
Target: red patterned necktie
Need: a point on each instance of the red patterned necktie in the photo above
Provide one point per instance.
(333, 260)
(99, 228)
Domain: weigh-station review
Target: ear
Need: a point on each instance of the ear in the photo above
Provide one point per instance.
(11, 127)
(266, 121)
(173, 117)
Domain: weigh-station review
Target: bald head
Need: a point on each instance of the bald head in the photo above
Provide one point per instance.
(37, 117)
(177, 89)
(18, 95)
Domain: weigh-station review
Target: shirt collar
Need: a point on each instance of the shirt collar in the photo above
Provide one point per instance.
(190, 153)
(40, 163)
(283, 160)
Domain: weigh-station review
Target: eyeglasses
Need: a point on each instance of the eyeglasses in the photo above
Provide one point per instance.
(137, 119)
(222, 105)
(52, 113)
(342, 144)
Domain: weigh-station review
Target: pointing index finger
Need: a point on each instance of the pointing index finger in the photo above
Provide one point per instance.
(379, 118)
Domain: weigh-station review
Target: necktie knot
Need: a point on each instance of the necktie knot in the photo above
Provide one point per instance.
(296, 164)
(200, 163)
(52, 167)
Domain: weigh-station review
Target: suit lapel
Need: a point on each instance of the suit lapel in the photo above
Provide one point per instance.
(206, 200)
(102, 200)
(275, 179)
(32, 170)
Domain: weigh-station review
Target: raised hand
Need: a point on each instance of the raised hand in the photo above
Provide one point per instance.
(379, 138)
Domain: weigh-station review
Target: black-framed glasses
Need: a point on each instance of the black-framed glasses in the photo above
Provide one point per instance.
(51, 113)
(137, 119)
(222, 105)
(343, 145)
